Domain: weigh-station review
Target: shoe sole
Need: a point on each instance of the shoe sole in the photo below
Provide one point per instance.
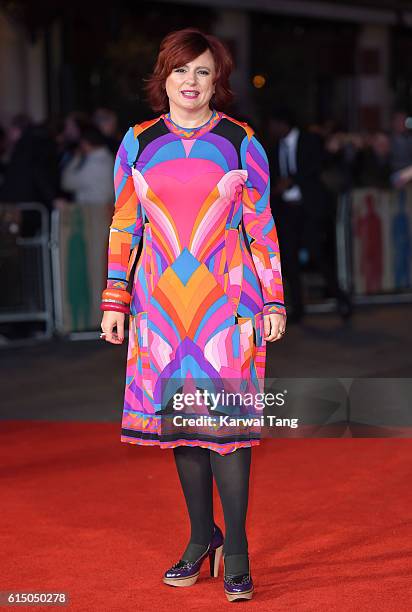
(239, 596)
(181, 582)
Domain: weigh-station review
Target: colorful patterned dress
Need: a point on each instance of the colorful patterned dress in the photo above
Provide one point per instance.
(193, 238)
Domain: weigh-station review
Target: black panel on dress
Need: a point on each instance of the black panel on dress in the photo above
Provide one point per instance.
(149, 134)
(233, 132)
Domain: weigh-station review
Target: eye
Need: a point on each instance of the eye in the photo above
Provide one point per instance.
(205, 72)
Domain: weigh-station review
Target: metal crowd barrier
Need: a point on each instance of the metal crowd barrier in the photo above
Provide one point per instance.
(383, 218)
(53, 267)
(78, 239)
(343, 244)
(358, 213)
(56, 274)
(25, 269)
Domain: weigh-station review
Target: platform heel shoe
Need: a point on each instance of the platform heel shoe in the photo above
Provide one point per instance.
(185, 573)
(238, 587)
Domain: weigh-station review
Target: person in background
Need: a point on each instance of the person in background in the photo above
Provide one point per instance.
(30, 175)
(88, 176)
(373, 165)
(400, 142)
(107, 122)
(31, 172)
(300, 205)
(401, 151)
(68, 139)
(341, 150)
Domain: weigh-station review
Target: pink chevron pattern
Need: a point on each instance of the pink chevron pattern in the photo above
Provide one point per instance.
(193, 236)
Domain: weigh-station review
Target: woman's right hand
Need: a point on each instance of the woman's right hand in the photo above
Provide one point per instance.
(111, 320)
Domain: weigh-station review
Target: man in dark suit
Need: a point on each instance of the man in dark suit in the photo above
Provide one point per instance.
(301, 207)
(31, 174)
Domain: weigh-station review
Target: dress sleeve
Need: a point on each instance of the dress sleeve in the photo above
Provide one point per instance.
(259, 224)
(126, 228)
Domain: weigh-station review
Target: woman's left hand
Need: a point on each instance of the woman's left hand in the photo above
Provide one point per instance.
(275, 326)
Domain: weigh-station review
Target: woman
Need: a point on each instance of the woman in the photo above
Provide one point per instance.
(88, 174)
(206, 291)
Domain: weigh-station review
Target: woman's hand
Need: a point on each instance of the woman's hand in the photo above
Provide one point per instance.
(274, 323)
(402, 177)
(111, 320)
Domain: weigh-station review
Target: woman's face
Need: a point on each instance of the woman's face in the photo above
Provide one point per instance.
(190, 87)
(71, 130)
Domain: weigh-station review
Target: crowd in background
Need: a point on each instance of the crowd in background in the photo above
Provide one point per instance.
(309, 167)
(381, 159)
(75, 161)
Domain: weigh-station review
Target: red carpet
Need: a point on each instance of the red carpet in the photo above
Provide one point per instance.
(329, 523)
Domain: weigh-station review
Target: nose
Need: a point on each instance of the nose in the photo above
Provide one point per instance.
(191, 77)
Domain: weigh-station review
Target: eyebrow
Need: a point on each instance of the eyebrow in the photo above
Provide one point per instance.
(186, 66)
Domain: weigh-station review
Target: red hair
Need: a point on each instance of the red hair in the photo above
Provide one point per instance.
(180, 47)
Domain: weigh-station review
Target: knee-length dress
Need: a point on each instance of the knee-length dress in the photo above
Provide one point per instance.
(193, 239)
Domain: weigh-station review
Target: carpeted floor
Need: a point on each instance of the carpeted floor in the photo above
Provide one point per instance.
(329, 522)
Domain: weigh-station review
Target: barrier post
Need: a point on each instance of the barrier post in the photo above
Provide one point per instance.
(32, 281)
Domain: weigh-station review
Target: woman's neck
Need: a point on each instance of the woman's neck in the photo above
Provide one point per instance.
(190, 118)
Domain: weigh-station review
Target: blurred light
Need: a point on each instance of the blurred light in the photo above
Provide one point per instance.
(258, 80)
(408, 123)
(303, 255)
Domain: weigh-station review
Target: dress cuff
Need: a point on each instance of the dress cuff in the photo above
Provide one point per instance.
(116, 284)
(274, 307)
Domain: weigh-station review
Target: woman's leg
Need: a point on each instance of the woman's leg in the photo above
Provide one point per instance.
(231, 473)
(196, 478)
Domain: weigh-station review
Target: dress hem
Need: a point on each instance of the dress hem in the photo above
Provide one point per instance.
(222, 449)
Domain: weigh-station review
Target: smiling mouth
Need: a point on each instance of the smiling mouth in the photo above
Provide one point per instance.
(187, 93)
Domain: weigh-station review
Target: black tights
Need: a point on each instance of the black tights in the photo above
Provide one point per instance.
(196, 467)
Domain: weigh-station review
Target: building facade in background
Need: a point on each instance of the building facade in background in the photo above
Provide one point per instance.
(341, 60)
